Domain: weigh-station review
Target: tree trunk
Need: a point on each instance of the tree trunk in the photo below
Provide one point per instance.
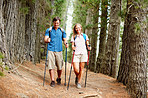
(88, 29)
(31, 31)
(3, 48)
(124, 61)
(94, 36)
(112, 46)
(100, 59)
(137, 31)
(20, 43)
(133, 69)
(11, 28)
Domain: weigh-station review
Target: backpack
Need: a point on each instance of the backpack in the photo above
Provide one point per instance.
(84, 36)
(50, 29)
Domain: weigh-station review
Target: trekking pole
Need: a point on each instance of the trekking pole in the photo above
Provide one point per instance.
(70, 69)
(45, 67)
(45, 63)
(87, 66)
(65, 66)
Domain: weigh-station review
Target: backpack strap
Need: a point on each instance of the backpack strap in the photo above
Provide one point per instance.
(75, 37)
(84, 35)
(62, 29)
(50, 29)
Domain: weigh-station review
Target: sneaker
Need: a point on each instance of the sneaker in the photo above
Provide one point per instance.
(76, 80)
(78, 85)
(58, 81)
(52, 84)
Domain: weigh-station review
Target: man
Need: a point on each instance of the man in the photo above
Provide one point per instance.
(54, 37)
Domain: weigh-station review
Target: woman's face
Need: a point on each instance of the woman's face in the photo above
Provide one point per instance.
(78, 28)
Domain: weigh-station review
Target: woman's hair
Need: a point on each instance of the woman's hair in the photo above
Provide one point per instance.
(74, 29)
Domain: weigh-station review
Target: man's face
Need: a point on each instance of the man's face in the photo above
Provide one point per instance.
(56, 23)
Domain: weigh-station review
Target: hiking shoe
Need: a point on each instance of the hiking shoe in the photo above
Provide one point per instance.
(58, 81)
(76, 80)
(52, 84)
(78, 85)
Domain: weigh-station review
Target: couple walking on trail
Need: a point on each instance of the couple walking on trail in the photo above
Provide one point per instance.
(54, 37)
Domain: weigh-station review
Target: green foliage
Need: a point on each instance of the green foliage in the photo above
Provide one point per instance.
(122, 14)
(41, 50)
(79, 13)
(1, 56)
(123, 11)
(1, 73)
(33, 1)
(137, 28)
(6, 68)
(60, 9)
(69, 56)
(89, 26)
(24, 10)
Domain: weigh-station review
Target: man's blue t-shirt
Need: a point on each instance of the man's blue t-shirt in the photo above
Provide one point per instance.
(56, 36)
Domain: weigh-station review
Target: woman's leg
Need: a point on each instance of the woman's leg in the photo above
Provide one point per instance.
(76, 68)
(81, 67)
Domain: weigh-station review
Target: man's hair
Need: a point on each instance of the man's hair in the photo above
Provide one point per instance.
(56, 18)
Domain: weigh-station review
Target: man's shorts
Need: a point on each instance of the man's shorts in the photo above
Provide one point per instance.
(80, 58)
(55, 59)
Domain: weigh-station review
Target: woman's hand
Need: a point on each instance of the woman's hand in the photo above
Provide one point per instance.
(73, 47)
(88, 47)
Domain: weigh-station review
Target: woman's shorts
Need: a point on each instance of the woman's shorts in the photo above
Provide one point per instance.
(55, 59)
(80, 58)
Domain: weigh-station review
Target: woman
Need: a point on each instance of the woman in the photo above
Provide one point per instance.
(79, 42)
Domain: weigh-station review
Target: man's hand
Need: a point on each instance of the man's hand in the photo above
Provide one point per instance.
(66, 45)
(47, 39)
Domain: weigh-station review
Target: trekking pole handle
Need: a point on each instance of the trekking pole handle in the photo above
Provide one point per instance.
(89, 47)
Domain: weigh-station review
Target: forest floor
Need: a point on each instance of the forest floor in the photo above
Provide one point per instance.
(27, 82)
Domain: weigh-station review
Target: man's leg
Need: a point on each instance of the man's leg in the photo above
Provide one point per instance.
(59, 72)
(59, 64)
(51, 72)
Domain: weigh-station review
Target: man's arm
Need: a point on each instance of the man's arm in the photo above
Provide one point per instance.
(46, 39)
(65, 42)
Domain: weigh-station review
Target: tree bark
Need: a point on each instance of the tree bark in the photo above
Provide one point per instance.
(88, 30)
(102, 40)
(31, 31)
(133, 69)
(3, 48)
(112, 46)
(94, 36)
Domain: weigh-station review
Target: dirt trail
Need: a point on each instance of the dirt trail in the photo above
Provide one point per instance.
(29, 84)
